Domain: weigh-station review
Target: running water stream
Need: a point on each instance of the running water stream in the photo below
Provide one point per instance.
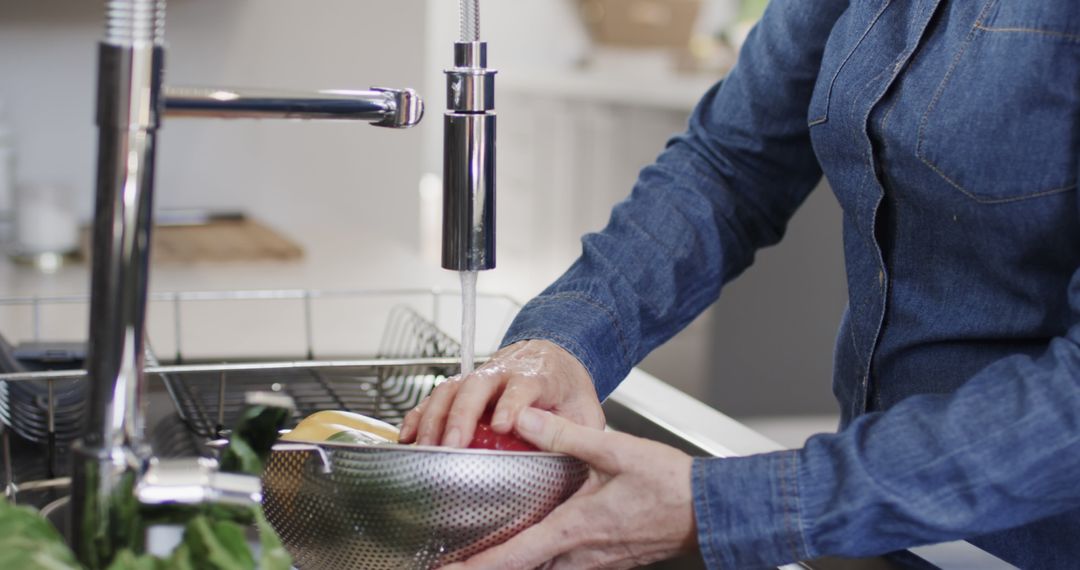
(468, 321)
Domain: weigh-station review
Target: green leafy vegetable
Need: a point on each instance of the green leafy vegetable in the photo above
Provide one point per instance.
(127, 560)
(221, 544)
(272, 555)
(29, 542)
(252, 439)
(214, 538)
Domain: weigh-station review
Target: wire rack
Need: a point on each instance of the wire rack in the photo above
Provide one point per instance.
(375, 352)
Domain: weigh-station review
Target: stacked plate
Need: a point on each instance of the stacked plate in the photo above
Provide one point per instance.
(24, 404)
(24, 407)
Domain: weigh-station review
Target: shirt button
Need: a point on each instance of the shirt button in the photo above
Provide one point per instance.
(881, 278)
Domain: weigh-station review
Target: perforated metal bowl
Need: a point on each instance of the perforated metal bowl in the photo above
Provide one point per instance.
(340, 506)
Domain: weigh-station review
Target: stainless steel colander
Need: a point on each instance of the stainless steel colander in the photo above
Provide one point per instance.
(340, 506)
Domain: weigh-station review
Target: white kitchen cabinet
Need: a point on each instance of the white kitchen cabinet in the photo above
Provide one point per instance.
(571, 145)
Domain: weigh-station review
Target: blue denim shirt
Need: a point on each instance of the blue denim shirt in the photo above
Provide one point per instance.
(948, 130)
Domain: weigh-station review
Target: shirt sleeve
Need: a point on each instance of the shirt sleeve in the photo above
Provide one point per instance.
(720, 191)
(1001, 452)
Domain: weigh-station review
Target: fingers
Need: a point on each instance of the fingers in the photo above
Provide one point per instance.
(552, 433)
(522, 375)
(409, 425)
(471, 402)
(520, 393)
(535, 545)
(433, 415)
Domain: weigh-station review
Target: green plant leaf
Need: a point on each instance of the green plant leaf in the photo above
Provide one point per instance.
(218, 545)
(273, 555)
(252, 438)
(31, 542)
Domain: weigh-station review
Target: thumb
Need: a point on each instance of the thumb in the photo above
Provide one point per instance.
(553, 433)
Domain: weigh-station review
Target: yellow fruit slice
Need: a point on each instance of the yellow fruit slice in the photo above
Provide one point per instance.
(334, 425)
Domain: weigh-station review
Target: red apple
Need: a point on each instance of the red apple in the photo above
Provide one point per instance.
(487, 438)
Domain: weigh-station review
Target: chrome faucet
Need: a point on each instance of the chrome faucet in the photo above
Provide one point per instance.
(114, 474)
(469, 152)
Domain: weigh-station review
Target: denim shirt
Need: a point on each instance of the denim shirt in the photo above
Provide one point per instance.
(948, 130)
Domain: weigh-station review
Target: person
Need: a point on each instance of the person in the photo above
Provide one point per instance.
(948, 131)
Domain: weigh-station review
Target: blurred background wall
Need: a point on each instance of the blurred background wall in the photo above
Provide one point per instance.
(578, 120)
(289, 174)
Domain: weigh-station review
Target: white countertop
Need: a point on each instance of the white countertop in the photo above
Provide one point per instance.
(333, 258)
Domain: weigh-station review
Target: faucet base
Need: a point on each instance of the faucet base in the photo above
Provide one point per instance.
(104, 509)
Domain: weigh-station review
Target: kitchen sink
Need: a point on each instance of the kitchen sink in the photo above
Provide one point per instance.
(186, 405)
(195, 397)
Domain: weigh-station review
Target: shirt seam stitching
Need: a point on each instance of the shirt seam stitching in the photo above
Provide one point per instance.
(1021, 30)
(798, 507)
(711, 524)
(787, 504)
(847, 58)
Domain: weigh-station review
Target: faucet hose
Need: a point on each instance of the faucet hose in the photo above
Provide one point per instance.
(135, 23)
(470, 21)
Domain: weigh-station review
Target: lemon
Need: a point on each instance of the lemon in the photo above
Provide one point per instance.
(343, 427)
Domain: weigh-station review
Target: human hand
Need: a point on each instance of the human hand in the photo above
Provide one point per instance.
(530, 373)
(636, 507)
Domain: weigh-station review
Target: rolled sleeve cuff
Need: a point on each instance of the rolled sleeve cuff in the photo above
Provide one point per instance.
(747, 510)
(581, 326)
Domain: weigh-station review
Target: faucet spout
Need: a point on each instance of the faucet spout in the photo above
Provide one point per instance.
(396, 108)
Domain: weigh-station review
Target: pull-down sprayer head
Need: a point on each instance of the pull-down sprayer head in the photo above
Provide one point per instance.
(469, 161)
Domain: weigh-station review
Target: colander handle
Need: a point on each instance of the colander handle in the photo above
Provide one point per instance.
(324, 457)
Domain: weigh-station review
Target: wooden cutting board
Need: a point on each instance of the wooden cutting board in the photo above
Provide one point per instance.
(216, 241)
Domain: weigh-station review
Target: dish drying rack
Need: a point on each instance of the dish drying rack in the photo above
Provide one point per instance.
(337, 360)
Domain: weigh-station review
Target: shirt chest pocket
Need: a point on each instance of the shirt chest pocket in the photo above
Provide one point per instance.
(1003, 124)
